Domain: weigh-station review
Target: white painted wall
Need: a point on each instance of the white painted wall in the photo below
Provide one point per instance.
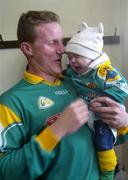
(113, 13)
(72, 13)
(124, 37)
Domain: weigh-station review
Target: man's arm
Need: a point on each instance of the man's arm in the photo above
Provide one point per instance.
(28, 160)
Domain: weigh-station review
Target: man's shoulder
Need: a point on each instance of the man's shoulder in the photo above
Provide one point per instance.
(11, 92)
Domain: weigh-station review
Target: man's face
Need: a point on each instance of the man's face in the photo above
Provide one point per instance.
(47, 50)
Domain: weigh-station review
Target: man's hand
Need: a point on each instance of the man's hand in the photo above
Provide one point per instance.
(111, 112)
(71, 119)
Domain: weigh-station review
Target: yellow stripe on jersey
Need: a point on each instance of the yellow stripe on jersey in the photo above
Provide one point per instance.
(7, 116)
(47, 139)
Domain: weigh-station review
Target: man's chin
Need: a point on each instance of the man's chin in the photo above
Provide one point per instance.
(57, 73)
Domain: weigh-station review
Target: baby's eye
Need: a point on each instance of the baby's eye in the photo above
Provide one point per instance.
(73, 56)
(77, 56)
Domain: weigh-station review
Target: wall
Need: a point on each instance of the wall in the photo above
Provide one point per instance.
(124, 35)
(124, 63)
(113, 13)
(72, 13)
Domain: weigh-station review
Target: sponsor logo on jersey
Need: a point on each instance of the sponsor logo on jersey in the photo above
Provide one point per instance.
(52, 119)
(44, 102)
(61, 92)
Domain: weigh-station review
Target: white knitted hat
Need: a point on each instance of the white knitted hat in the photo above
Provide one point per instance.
(88, 42)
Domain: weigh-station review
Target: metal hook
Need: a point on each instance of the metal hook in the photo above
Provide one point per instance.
(1, 42)
(115, 31)
(1, 39)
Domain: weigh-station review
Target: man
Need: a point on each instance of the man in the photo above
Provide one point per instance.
(43, 131)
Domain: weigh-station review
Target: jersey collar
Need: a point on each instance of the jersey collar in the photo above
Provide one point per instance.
(34, 79)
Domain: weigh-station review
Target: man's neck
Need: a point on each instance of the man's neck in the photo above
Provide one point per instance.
(42, 74)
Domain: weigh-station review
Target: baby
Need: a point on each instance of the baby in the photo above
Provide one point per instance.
(93, 75)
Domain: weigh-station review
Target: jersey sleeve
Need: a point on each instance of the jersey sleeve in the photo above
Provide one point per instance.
(112, 83)
(22, 158)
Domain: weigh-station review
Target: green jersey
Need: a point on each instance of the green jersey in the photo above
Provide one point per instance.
(28, 148)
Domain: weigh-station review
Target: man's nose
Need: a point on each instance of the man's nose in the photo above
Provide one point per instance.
(60, 48)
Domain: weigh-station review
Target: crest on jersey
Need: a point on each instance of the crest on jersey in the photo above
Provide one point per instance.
(44, 102)
(108, 73)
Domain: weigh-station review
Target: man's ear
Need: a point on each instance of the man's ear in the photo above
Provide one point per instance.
(26, 48)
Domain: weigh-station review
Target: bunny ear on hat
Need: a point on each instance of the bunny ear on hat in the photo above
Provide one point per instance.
(83, 26)
(101, 27)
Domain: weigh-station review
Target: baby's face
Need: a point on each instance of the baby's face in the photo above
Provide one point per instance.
(78, 63)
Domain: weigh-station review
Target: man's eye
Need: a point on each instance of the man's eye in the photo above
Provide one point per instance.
(51, 42)
(54, 42)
